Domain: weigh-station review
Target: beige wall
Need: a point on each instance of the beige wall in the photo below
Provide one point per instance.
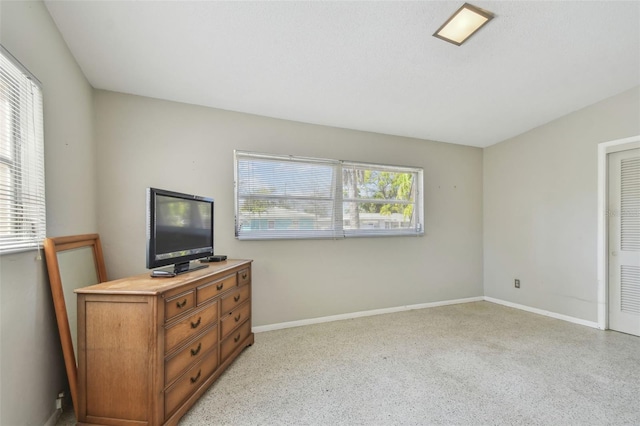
(31, 367)
(540, 208)
(146, 142)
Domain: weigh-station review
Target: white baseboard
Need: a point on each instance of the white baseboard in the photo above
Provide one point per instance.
(290, 324)
(54, 418)
(351, 315)
(562, 317)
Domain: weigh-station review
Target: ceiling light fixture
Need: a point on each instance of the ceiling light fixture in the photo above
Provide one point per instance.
(463, 24)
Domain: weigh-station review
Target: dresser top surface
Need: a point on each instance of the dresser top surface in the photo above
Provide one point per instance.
(144, 284)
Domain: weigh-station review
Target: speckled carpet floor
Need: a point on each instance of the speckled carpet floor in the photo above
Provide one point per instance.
(469, 364)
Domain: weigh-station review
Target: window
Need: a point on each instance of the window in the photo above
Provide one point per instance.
(22, 208)
(280, 197)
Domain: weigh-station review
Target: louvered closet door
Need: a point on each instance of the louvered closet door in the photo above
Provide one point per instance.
(624, 241)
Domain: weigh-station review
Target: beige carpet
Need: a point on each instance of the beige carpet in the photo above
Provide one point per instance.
(469, 364)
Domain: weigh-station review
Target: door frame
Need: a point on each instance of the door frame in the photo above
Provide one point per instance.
(604, 149)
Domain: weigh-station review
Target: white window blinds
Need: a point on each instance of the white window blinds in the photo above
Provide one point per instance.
(279, 197)
(22, 196)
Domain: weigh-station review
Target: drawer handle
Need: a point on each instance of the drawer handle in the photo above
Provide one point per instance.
(238, 317)
(235, 339)
(196, 351)
(181, 304)
(197, 323)
(195, 379)
(244, 276)
(236, 298)
(219, 286)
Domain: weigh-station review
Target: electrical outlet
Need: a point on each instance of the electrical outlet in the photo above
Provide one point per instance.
(517, 283)
(59, 400)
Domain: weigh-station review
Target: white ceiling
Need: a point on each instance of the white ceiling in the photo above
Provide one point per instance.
(370, 66)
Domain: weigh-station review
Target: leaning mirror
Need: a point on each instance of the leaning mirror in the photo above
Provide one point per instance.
(72, 262)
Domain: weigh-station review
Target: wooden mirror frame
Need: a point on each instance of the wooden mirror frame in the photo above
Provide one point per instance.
(52, 246)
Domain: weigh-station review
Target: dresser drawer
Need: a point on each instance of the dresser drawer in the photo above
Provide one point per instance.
(232, 342)
(190, 354)
(236, 317)
(244, 276)
(212, 289)
(189, 382)
(189, 327)
(237, 298)
(179, 304)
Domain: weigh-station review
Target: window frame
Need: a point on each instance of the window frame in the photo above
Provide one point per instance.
(338, 199)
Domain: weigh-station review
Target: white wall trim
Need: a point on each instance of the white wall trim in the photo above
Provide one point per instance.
(290, 324)
(562, 317)
(352, 315)
(54, 418)
(605, 148)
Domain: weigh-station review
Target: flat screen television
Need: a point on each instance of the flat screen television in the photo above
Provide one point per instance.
(179, 229)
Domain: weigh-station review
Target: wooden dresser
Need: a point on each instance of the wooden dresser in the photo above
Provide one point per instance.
(148, 348)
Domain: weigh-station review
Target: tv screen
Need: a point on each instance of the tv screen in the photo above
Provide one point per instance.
(179, 228)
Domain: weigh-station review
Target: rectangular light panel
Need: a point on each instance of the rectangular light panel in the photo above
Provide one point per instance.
(466, 21)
